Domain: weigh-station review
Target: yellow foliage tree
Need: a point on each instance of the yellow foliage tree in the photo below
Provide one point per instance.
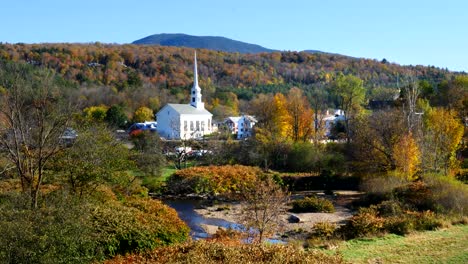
(143, 114)
(97, 112)
(281, 116)
(407, 156)
(443, 134)
(300, 115)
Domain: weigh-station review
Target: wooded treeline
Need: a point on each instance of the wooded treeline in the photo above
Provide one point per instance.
(136, 76)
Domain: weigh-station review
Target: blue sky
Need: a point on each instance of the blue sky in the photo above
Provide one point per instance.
(406, 32)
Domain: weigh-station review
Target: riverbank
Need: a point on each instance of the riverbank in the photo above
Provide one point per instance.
(232, 212)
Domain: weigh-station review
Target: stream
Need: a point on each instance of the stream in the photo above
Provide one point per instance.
(186, 211)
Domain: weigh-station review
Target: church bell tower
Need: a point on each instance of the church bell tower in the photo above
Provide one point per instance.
(196, 96)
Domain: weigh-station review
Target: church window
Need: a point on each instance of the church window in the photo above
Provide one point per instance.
(185, 125)
(191, 125)
(209, 124)
(203, 125)
(193, 99)
(198, 125)
(193, 92)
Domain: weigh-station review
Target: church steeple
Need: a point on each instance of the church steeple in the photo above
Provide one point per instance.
(196, 96)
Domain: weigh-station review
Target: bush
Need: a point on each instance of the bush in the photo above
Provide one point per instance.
(312, 205)
(212, 179)
(399, 225)
(417, 195)
(137, 225)
(307, 157)
(66, 229)
(380, 188)
(365, 223)
(448, 195)
(60, 233)
(390, 208)
(324, 229)
(207, 252)
(427, 220)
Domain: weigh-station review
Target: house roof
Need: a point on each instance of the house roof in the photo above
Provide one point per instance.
(186, 109)
(233, 119)
(250, 118)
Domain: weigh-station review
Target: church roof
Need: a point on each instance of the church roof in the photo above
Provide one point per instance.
(186, 109)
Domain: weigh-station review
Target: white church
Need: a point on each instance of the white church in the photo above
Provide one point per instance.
(186, 121)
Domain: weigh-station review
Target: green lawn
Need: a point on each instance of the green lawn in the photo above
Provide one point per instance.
(167, 171)
(442, 246)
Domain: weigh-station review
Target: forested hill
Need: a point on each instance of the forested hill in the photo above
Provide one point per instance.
(122, 66)
(202, 42)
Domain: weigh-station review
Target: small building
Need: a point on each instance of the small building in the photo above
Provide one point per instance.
(245, 126)
(232, 123)
(331, 118)
(186, 121)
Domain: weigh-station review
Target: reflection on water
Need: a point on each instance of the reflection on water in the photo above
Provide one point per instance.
(186, 211)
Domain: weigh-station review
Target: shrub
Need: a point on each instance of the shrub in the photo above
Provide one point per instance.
(60, 233)
(381, 187)
(426, 220)
(448, 195)
(417, 195)
(312, 204)
(324, 229)
(212, 179)
(399, 225)
(137, 225)
(208, 252)
(365, 223)
(390, 208)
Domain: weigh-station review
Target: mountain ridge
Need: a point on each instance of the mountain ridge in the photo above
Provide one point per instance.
(205, 42)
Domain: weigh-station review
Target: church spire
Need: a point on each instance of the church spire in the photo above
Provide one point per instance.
(195, 71)
(195, 99)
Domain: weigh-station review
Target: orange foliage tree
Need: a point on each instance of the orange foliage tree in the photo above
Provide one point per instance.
(301, 127)
(406, 155)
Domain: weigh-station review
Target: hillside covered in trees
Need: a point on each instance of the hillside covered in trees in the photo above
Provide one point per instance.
(135, 76)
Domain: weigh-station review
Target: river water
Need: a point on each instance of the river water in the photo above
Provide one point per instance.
(186, 211)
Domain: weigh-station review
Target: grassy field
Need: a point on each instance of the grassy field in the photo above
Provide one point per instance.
(167, 171)
(441, 246)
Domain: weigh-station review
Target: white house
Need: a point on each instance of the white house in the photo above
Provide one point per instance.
(245, 126)
(331, 119)
(232, 123)
(186, 121)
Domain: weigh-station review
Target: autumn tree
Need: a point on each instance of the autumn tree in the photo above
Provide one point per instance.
(318, 98)
(94, 158)
(96, 113)
(350, 95)
(143, 114)
(442, 136)
(262, 108)
(300, 115)
(407, 156)
(263, 206)
(33, 118)
(458, 95)
(411, 93)
(147, 153)
(271, 133)
(375, 137)
(281, 116)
